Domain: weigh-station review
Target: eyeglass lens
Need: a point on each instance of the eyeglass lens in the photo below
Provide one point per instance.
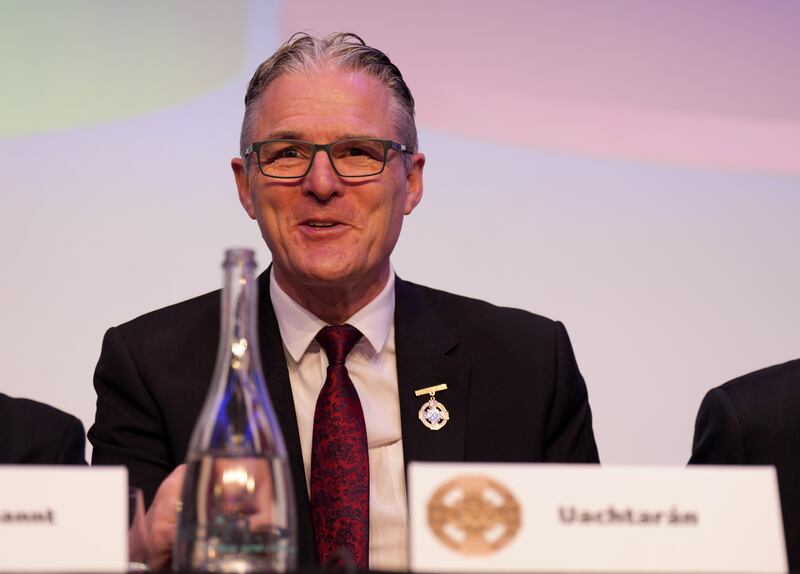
(354, 157)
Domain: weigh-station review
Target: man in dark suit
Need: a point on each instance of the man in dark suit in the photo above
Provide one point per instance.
(755, 419)
(35, 433)
(329, 168)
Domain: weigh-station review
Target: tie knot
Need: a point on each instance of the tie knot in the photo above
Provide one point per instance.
(338, 341)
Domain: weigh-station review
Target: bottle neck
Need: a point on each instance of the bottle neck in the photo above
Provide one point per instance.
(239, 310)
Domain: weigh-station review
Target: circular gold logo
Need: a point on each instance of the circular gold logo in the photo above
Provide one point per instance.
(433, 414)
(474, 515)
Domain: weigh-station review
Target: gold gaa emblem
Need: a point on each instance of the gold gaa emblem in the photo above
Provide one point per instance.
(474, 515)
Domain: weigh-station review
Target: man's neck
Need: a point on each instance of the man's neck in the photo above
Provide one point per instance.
(336, 303)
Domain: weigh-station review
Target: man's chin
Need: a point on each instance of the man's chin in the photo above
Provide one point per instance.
(316, 276)
(333, 276)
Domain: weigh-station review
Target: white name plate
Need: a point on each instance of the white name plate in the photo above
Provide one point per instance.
(66, 519)
(588, 518)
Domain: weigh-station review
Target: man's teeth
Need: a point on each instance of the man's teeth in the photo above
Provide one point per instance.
(319, 224)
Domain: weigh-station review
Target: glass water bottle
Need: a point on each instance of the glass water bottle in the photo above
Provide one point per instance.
(237, 512)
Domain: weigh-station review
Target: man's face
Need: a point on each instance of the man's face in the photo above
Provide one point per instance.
(295, 215)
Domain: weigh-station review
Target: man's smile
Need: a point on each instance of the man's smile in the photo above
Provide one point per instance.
(319, 227)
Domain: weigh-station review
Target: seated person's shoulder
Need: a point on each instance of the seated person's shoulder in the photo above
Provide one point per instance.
(517, 343)
(748, 419)
(465, 314)
(186, 315)
(36, 433)
(773, 385)
(175, 326)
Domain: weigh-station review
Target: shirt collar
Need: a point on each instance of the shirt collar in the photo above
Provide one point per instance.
(298, 326)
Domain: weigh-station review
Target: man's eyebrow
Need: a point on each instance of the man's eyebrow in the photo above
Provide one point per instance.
(294, 135)
(354, 136)
(284, 135)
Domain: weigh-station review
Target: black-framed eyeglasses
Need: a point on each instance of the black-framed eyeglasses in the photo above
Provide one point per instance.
(355, 157)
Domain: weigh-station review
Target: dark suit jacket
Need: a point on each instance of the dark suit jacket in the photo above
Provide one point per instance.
(35, 433)
(514, 390)
(755, 419)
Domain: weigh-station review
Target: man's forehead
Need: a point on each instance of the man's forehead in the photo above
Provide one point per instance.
(326, 83)
(346, 103)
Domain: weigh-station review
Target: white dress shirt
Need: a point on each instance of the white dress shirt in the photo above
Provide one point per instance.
(372, 366)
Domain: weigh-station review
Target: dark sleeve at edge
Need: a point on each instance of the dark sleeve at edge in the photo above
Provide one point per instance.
(73, 449)
(718, 432)
(570, 437)
(128, 428)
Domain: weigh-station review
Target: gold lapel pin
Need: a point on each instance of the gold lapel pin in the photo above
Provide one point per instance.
(433, 414)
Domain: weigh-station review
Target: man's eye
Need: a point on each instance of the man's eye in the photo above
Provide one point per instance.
(367, 150)
(356, 151)
(288, 152)
(271, 154)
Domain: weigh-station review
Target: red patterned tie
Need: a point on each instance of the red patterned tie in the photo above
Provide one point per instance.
(339, 457)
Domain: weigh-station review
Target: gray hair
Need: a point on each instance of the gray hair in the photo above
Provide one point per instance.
(345, 51)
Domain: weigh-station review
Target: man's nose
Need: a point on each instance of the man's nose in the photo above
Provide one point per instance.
(321, 180)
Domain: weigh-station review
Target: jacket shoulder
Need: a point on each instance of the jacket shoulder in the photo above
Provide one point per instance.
(46, 434)
(775, 383)
(466, 313)
(183, 315)
(34, 411)
(764, 405)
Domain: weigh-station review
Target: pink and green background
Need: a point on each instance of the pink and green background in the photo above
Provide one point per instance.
(630, 168)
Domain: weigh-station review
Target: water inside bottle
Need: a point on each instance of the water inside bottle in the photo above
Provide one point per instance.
(234, 516)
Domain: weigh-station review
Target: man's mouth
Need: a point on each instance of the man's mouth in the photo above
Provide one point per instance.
(321, 223)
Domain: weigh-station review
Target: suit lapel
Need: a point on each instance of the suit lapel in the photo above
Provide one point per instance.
(424, 345)
(280, 392)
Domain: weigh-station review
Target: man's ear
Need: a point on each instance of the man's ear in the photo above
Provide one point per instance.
(239, 167)
(414, 183)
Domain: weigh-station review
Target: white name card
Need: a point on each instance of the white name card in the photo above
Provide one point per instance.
(588, 518)
(66, 519)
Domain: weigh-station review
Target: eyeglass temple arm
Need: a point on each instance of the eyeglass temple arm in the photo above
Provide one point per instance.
(399, 147)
